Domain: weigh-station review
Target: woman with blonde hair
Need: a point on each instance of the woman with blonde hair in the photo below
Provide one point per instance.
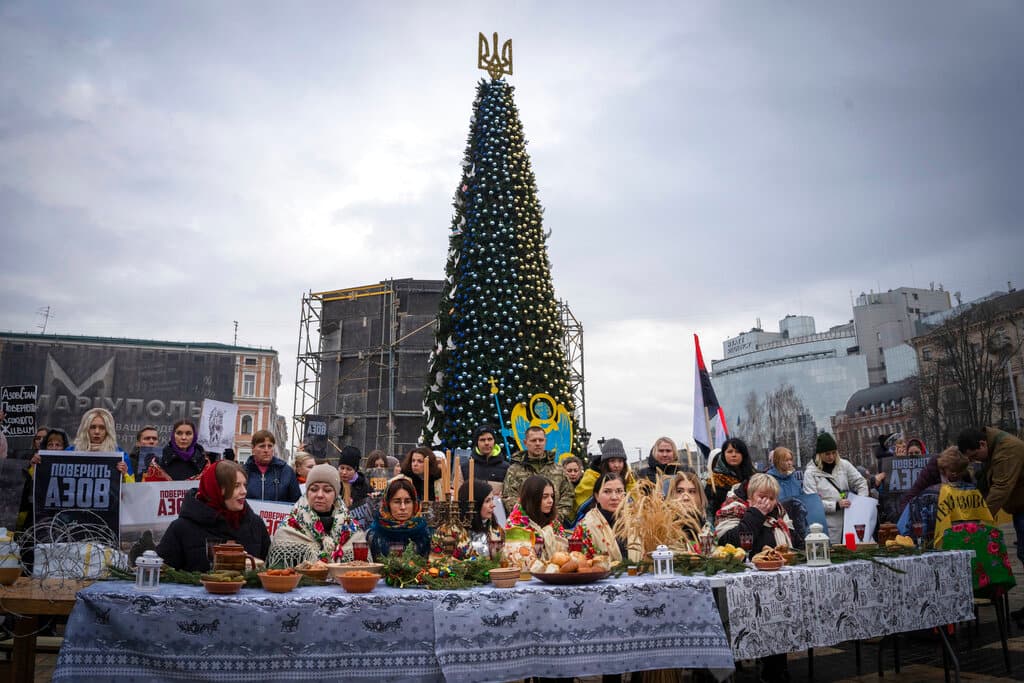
(96, 433)
(302, 464)
(686, 487)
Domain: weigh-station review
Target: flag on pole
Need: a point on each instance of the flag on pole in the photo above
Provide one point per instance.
(707, 414)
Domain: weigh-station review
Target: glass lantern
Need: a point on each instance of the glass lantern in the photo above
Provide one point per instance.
(147, 571)
(816, 547)
(662, 557)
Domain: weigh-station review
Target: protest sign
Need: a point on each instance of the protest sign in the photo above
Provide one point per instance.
(272, 513)
(315, 437)
(73, 485)
(18, 404)
(217, 426)
(900, 473)
(148, 508)
(862, 510)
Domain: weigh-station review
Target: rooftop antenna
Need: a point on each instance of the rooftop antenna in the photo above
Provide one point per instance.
(46, 315)
(236, 332)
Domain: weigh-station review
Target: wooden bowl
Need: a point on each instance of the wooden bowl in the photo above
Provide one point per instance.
(504, 577)
(279, 584)
(223, 587)
(8, 575)
(789, 557)
(337, 569)
(357, 583)
(769, 565)
(315, 574)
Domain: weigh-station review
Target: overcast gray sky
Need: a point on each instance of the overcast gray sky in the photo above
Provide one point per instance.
(166, 168)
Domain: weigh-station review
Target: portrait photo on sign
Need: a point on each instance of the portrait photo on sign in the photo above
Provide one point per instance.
(217, 426)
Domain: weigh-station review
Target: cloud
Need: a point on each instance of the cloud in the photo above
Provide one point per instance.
(166, 171)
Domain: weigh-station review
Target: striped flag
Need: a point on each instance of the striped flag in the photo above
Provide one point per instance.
(706, 408)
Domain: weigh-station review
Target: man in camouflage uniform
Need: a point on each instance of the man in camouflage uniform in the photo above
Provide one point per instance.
(535, 460)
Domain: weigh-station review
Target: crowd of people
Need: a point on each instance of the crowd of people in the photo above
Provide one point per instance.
(334, 506)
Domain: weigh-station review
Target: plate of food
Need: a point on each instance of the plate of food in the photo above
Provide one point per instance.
(571, 568)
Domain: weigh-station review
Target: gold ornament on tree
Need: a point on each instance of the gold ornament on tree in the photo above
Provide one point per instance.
(489, 60)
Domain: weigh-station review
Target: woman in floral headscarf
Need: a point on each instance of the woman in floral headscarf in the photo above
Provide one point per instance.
(319, 522)
(400, 522)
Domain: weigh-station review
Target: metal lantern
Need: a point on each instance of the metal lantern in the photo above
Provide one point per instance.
(662, 557)
(147, 571)
(816, 547)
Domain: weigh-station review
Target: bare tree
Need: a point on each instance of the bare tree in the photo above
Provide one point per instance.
(776, 420)
(963, 379)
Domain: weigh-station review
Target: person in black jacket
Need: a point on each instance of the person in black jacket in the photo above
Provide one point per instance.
(354, 480)
(183, 458)
(270, 478)
(663, 460)
(215, 512)
(490, 464)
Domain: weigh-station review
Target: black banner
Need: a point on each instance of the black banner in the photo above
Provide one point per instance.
(315, 437)
(72, 485)
(900, 473)
(19, 404)
(140, 385)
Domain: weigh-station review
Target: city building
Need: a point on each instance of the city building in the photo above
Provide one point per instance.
(781, 388)
(971, 361)
(143, 381)
(888, 319)
(872, 412)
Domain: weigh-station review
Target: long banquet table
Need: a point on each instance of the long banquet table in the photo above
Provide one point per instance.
(323, 633)
(804, 607)
(488, 634)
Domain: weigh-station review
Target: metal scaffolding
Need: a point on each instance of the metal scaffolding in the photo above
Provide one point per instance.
(351, 373)
(573, 343)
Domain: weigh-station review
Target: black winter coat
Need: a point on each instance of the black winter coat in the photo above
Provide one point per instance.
(180, 470)
(487, 468)
(280, 483)
(183, 545)
(360, 490)
(654, 468)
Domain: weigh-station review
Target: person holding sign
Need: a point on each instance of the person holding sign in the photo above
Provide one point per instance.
(214, 513)
(96, 434)
(183, 458)
(832, 478)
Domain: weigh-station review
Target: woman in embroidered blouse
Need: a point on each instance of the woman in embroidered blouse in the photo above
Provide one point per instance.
(483, 530)
(536, 511)
(400, 522)
(319, 521)
(752, 507)
(595, 530)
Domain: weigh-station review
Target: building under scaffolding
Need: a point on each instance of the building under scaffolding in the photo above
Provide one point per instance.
(362, 363)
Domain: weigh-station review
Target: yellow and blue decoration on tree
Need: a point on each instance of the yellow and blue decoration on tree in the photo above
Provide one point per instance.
(549, 415)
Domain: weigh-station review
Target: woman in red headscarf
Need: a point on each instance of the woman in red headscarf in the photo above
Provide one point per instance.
(216, 512)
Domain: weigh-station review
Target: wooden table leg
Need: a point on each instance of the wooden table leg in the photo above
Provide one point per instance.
(23, 655)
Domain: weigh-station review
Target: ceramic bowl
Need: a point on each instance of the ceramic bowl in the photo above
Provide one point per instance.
(358, 584)
(279, 584)
(769, 565)
(504, 578)
(223, 587)
(336, 569)
(315, 574)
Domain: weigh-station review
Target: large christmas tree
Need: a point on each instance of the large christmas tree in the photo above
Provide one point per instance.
(498, 316)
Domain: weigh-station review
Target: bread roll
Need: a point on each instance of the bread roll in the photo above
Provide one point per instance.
(560, 558)
(569, 567)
